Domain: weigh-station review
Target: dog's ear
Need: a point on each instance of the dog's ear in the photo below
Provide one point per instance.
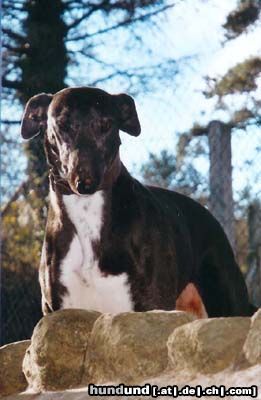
(34, 119)
(127, 114)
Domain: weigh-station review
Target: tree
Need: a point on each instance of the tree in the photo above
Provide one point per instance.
(253, 277)
(242, 78)
(244, 16)
(171, 172)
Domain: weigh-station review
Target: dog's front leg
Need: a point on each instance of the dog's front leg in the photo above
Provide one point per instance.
(45, 282)
(61, 260)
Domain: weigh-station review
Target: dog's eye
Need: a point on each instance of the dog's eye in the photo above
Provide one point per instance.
(35, 117)
(106, 124)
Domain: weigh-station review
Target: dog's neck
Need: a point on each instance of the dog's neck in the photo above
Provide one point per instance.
(112, 173)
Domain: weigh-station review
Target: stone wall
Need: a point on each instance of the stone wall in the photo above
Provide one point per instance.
(72, 348)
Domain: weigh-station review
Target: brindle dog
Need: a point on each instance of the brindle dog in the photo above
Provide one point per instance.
(111, 243)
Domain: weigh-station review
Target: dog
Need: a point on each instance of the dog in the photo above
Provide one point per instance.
(111, 243)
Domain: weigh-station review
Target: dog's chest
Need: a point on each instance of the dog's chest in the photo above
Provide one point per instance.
(86, 214)
(86, 286)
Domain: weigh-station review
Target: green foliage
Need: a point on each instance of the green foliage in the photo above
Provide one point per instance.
(160, 170)
(242, 115)
(242, 17)
(242, 77)
(239, 79)
(163, 170)
(20, 291)
(21, 235)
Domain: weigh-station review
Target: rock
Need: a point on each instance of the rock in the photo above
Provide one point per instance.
(129, 347)
(252, 346)
(12, 379)
(207, 346)
(55, 359)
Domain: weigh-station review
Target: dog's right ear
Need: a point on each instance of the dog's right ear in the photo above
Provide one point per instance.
(34, 119)
(127, 114)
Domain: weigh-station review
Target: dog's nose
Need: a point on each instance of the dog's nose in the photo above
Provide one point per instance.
(83, 186)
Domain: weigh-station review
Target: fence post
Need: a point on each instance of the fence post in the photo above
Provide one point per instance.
(220, 177)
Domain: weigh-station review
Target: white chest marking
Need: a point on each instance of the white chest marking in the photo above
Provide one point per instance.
(87, 288)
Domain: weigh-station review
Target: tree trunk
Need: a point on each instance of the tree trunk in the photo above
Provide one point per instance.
(253, 277)
(43, 69)
(221, 196)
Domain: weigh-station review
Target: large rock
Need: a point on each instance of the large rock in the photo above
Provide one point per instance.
(55, 359)
(129, 347)
(252, 346)
(12, 379)
(207, 346)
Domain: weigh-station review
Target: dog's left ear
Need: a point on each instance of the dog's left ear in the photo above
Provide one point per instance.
(34, 119)
(128, 117)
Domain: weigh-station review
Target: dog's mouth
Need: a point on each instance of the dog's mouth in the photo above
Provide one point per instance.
(82, 187)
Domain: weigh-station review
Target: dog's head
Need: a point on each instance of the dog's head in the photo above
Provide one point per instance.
(81, 128)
